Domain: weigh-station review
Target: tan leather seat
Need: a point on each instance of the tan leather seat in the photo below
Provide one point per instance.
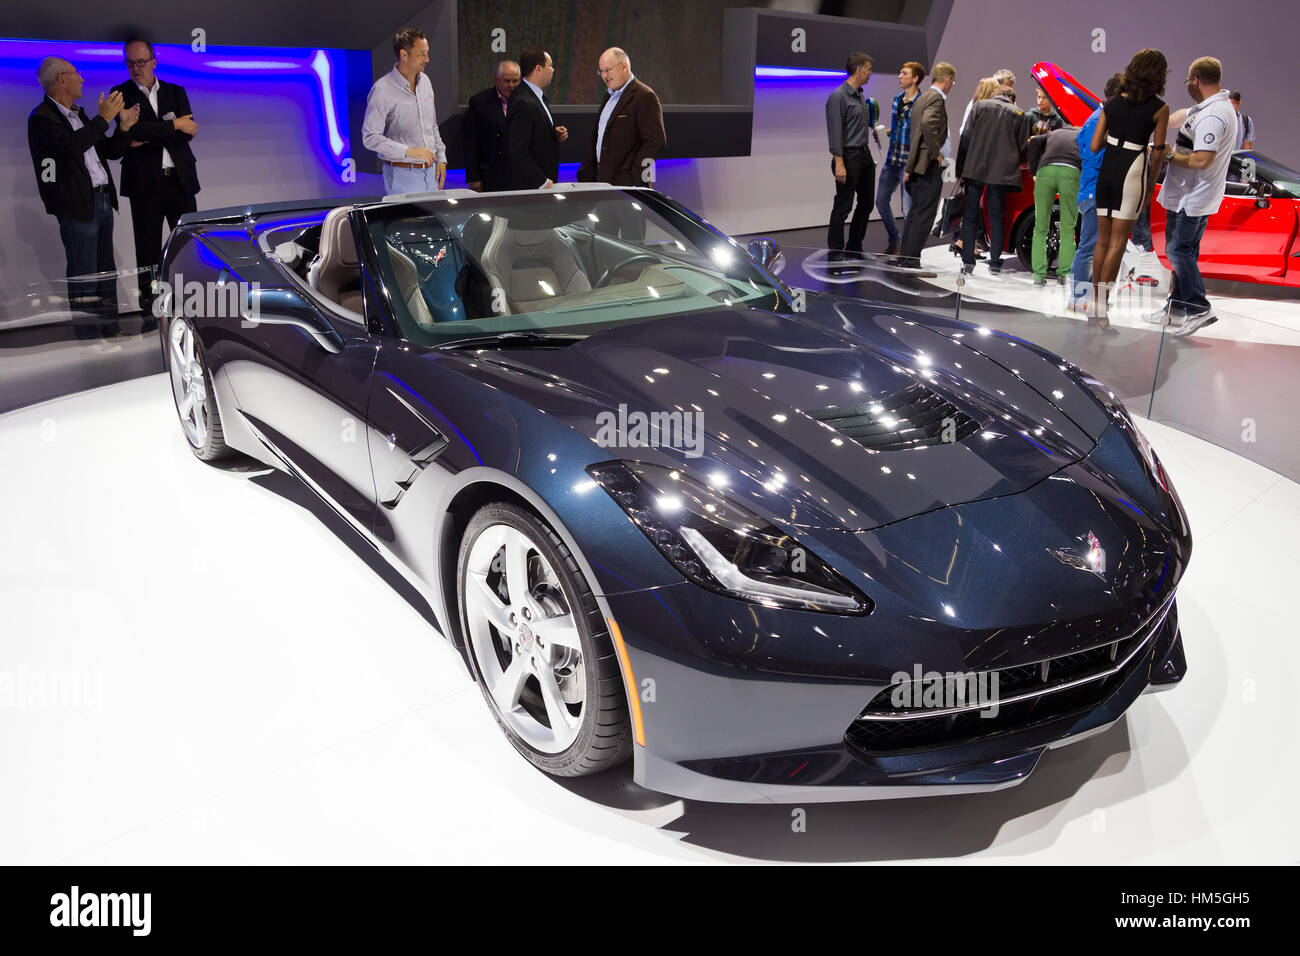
(528, 262)
(336, 272)
(408, 286)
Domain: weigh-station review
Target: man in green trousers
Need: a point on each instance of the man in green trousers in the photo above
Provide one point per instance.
(1054, 161)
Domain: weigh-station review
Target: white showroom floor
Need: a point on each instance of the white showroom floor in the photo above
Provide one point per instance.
(195, 669)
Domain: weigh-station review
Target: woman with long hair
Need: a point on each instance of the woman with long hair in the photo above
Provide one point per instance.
(1129, 122)
(984, 89)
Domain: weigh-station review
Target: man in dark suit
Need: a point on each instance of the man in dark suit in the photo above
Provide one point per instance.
(533, 137)
(484, 132)
(925, 162)
(629, 130)
(158, 172)
(70, 154)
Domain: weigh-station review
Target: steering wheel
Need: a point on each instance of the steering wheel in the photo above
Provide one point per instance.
(612, 270)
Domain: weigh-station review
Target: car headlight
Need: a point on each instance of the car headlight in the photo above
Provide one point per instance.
(1117, 411)
(722, 546)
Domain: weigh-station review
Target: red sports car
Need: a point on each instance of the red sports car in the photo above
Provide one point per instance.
(1252, 238)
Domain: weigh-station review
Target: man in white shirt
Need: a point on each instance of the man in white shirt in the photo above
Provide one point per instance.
(1193, 189)
(401, 122)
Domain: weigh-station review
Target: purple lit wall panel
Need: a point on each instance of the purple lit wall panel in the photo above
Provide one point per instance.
(274, 123)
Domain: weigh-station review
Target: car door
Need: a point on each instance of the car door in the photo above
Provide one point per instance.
(305, 398)
(1242, 241)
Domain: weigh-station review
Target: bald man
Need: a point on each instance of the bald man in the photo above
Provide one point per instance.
(629, 131)
(485, 135)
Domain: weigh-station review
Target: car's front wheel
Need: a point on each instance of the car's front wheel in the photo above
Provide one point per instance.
(538, 645)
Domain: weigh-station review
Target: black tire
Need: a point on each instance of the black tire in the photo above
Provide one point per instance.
(604, 739)
(213, 446)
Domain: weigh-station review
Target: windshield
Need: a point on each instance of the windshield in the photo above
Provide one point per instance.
(1269, 170)
(571, 261)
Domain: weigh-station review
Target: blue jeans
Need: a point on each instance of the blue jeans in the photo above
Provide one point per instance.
(1081, 273)
(398, 179)
(1142, 231)
(891, 177)
(91, 270)
(1183, 247)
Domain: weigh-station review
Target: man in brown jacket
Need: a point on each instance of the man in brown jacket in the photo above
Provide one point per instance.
(629, 131)
(925, 162)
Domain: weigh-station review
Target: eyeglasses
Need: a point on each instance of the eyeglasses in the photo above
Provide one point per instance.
(145, 62)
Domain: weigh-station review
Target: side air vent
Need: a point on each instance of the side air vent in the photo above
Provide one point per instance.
(910, 418)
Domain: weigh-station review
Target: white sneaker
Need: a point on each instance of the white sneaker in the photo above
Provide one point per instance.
(1194, 322)
(1159, 317)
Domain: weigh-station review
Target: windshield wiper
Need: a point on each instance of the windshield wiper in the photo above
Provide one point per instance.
(518, 338)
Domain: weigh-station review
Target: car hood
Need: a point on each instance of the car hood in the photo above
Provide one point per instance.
(769, 393)
(1074, 101)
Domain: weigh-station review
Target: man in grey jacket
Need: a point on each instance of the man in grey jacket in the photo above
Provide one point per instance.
(988, 164)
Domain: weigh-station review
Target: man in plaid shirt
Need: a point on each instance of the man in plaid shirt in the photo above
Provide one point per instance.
(900, 141)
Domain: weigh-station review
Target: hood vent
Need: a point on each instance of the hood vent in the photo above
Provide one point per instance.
(910, 418)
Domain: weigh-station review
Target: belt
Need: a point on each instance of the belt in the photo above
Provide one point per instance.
(1136, 147)
(99, 189)
(169, 170)
(407, 165)
(855, 149)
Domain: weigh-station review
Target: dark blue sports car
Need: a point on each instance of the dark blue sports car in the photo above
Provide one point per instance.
(769, 544)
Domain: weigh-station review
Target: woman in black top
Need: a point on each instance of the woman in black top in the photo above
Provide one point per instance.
(1129, 121)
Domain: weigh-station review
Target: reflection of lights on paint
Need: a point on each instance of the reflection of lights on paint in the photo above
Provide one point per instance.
(546, 287)
(722, 256)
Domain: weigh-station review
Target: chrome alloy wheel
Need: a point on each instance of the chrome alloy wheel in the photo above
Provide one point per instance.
(189, 384)
(525, 639)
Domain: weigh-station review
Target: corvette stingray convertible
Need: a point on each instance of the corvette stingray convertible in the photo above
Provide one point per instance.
(768, 544)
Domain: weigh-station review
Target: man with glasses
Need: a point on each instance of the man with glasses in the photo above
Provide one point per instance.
(159, 174)
(69, 154)
(629, 131)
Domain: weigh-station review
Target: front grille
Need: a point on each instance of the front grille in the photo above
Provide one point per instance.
(1044, 688)
(909, 418)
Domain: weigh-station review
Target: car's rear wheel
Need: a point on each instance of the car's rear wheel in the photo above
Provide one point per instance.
(192, 390)
(538, 645)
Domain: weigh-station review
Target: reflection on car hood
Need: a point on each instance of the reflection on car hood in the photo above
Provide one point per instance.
(781, 399)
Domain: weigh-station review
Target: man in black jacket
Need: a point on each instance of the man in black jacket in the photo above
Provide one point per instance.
(484, 132)
(533, 137)
(158, 171)
(69, 155)
(988, 164)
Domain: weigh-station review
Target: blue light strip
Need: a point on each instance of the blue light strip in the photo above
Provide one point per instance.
(790, 73)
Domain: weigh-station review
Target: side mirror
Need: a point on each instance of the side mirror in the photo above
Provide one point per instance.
(767, 254)
(288, 307)
(1263, 193)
